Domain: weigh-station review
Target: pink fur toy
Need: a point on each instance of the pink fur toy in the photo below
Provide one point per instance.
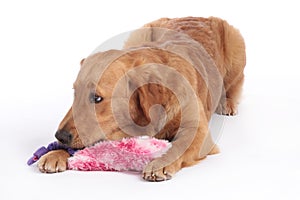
(128, 154)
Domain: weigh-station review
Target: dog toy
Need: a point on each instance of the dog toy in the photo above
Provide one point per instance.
(129, 154)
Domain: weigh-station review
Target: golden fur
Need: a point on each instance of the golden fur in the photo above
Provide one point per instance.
(224, 45)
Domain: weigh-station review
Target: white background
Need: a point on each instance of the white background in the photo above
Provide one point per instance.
(41, 45)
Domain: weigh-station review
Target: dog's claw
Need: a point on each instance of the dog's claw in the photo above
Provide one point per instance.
(54, 161)
(154, 172)
(156, 177)
(228, 108)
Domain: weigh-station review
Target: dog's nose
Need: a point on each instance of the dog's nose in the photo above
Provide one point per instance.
(64, 136)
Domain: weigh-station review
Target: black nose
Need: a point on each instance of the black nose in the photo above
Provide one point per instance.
(64, 137)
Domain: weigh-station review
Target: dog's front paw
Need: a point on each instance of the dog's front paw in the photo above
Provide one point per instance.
(156, 171)
(228, 108)
(54, 161)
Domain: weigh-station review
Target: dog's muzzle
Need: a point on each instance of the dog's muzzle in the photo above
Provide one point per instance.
(64, 137)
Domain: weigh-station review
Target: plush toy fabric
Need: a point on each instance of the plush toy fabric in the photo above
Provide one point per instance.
(128, 154)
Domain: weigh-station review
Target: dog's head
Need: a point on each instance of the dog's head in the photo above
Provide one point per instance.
(112, 100)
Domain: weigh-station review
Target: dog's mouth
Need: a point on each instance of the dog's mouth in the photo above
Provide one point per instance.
(74, 146)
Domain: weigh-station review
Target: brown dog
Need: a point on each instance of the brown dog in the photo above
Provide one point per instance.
(169, 79)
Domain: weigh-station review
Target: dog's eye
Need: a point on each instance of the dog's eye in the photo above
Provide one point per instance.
(94, 98)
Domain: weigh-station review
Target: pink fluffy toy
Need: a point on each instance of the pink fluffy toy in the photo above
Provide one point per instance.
(129, 154)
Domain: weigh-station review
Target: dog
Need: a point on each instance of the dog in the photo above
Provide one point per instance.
(167, 81)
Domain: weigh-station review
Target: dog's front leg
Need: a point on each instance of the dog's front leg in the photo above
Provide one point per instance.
(189, 147)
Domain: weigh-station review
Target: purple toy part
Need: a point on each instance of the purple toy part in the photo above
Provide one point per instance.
(43, 150)
(39, 153)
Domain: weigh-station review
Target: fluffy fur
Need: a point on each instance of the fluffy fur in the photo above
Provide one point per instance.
(223, 46)
(128, 154)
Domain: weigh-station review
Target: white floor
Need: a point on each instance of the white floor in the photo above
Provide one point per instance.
(260, 147)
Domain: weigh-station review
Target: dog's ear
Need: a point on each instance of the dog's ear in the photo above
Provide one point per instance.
(81, 62)
(138, 109)
(138, 37)
(147, 107)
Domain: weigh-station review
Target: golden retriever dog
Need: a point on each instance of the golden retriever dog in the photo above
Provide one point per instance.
(167, 81)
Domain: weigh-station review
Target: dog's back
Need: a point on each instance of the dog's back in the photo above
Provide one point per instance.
(221, 41)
